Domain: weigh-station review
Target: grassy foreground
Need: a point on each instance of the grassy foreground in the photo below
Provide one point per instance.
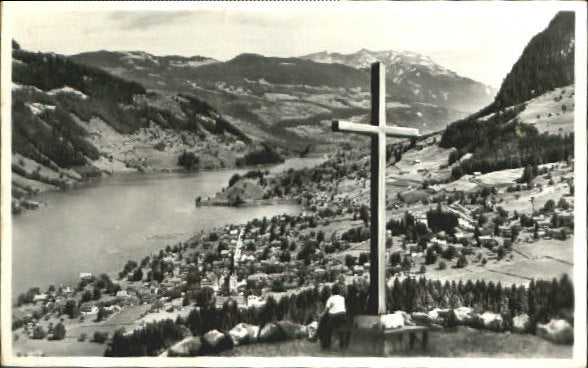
(463, 342)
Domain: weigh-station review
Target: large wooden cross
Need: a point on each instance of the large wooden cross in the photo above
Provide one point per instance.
(378, 130)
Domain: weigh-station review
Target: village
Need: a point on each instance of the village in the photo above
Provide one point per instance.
(481, 227)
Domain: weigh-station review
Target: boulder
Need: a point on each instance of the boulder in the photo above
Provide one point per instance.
(188, 347)
(271, 332)
(406, 317)
(185, 331)
(244, 333)
(292, 330)
(311, 330)
(464, 316)
(521, 323)
(422, 319)
(215, 341)
(491, 321)
(239, 335)
(440, 316)
(558, 331)
(392, 321)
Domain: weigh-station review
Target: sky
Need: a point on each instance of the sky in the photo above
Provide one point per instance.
(479, 41)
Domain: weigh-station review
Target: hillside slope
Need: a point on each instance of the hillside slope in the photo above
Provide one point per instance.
(547, 62)
(71, 122)
(531, 120)
(291, 101)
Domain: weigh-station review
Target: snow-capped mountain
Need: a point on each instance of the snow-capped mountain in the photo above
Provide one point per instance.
(415, 75)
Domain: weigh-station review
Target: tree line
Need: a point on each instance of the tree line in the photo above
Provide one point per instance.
(542, 300)
(497, 144)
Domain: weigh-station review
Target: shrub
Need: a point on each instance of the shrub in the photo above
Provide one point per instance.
(59, 332)
(442, 265)
(39, 333)
(461, 262)
(395, 259)
(450, 252)
(549, 206)
(350, 260)
(430, 257)
(100, 337)
(235, 178)
(500, 252)
(188, 160)
(363, 258)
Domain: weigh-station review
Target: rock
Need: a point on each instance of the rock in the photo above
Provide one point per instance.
(311, 330)
(244, 333)
(392, 321)
(271, 332)
(406, 317)
(239, 335)
(215, 341)
(464, 316)
(491, 321)
(558, 331)
(422, 319)
(292, 330)
(440, 316)
(521, 323)
(188, 347)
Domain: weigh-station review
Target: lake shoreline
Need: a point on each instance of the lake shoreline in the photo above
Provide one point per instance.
(29, 203)
(90, 198)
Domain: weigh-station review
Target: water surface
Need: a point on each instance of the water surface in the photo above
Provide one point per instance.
(98, 227)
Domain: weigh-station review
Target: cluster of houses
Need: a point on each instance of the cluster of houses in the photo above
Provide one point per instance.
(250, 263)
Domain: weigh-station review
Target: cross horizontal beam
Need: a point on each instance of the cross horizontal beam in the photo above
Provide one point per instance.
(347, 126)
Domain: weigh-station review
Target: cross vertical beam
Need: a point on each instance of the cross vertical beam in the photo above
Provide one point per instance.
(377, 293)
(378, 130)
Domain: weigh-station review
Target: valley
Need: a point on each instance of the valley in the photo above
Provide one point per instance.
(218, 209)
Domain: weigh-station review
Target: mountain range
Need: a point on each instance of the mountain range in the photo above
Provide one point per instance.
(78, 116)
(290, 100)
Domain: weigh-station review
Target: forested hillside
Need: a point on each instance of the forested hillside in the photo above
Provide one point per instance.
(495, 136)
(71, 121)
(546, 63)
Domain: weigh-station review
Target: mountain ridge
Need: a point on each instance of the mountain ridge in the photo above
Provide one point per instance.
(504, 134)
(72, 122)
(292, 100)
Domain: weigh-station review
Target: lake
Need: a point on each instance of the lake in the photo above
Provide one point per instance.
(99, 226)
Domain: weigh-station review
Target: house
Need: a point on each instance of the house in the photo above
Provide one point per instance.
(421, 218)
(85, 276)
(439, 242)
(320, 271)
(88, 308)
(123, 294)
(176, 304)
(488, 241)
(464, 224)
(40, 298)
(67, 291)
(459, 236)
(255, 301)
